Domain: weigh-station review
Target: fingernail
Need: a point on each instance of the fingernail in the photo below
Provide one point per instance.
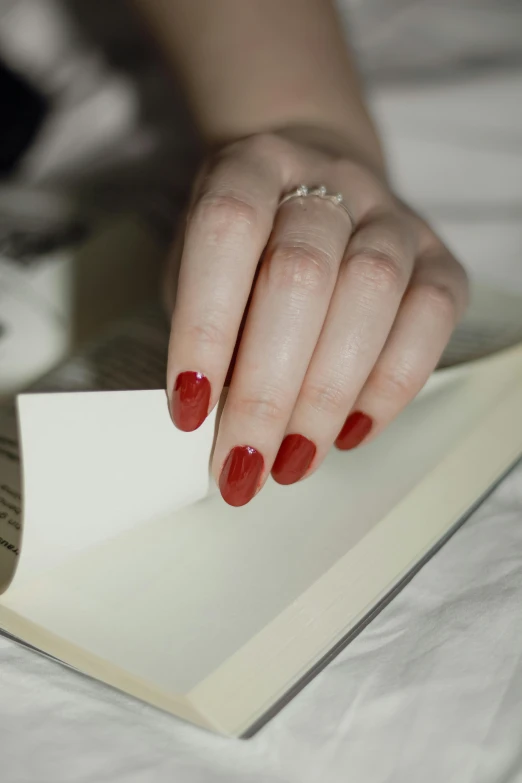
(293, 459)
(241, 475)
(190, 400)
(356, 427)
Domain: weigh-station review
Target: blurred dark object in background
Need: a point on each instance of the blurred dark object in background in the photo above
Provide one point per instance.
(23, 112)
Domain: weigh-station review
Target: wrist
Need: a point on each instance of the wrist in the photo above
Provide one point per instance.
(340, 143)
(330, 138)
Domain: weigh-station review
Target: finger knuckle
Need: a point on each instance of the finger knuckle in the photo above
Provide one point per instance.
(461, 286)
(207, 334)
(430, 244)
(301, 265)
(439, 298)
(324, 397)
(379, 270)
(225, 211)
(397, 383)
(265, 406)
(265, 145)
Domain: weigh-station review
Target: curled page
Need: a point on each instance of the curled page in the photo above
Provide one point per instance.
(10, 499)
(96, 464)
(100, 453)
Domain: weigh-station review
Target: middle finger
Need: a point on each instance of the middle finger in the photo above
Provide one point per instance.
(291, 298)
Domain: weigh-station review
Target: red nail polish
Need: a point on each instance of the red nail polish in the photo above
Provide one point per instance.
(190, 400)
(356, 427)
(293, 459)
(241, 475)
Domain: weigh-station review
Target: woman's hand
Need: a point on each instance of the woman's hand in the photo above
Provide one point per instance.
(348, 316)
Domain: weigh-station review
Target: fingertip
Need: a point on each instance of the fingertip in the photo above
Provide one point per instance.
(241, 475)
(356, 428)
(293, 459)
(190, 400)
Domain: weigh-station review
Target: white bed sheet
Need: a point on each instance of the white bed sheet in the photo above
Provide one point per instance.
(431, 691)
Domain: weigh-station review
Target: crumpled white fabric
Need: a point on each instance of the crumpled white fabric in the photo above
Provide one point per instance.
(431, 690)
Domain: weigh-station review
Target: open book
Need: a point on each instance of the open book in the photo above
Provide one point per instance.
(126, 564)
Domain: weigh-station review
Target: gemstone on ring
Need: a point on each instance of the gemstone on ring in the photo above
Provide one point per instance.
(319, 191)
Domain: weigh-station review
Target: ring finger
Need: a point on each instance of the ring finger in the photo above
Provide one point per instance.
(372, 280)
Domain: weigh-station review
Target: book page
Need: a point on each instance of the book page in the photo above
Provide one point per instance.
(10, 498)
(172, 600)
(95, 464)
(493, 322)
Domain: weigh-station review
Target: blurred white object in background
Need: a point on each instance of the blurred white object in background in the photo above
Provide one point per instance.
(65, 272)
(37, 232)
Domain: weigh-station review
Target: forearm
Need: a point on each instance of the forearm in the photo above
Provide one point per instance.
(250, 66)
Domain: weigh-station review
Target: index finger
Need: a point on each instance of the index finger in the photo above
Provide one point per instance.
(228, 227)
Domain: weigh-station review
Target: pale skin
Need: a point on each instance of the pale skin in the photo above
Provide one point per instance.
(349, 313)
